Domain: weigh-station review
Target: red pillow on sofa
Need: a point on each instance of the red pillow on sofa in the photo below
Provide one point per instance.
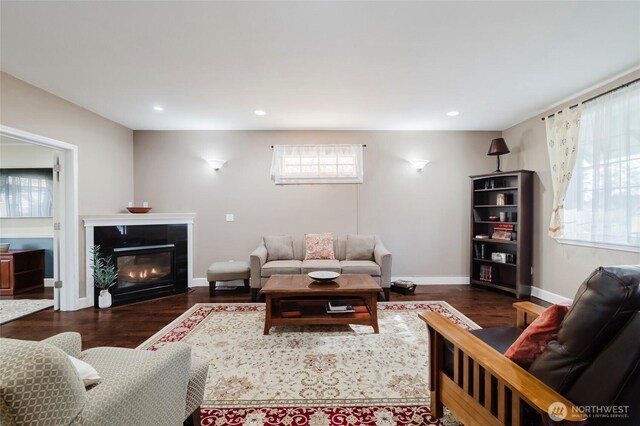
(536, 336)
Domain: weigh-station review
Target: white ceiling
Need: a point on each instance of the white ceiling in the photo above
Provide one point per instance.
(318, 65)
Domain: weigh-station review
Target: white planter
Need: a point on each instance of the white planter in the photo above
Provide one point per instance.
(104, 299)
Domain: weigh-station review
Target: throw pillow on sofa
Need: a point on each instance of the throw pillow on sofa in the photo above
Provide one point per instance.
(319, 246)
(536, 336)
(85, 371)
(279, 247)
(360, 247)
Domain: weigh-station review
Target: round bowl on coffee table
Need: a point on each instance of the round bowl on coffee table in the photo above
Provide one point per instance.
(323, 276)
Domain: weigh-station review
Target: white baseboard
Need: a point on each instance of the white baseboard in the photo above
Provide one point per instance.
(434, 280)
(548, 296)
(199, 282)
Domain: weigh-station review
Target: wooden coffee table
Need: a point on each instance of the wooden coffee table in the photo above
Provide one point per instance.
(310, 298)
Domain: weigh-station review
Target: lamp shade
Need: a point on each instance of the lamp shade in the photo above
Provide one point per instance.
(498, 147)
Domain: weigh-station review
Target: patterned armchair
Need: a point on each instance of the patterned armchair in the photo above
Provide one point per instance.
(39, 385)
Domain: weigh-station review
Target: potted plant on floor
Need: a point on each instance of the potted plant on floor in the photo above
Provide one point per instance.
(105, 275)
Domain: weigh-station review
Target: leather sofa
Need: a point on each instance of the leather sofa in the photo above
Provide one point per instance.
(378, 265)
(40, 386)
(593, 365)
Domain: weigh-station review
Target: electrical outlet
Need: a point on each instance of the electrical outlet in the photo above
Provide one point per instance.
(230, 217)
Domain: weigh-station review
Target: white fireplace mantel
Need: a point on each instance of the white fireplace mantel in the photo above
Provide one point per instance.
(130, 219)
(139, 219)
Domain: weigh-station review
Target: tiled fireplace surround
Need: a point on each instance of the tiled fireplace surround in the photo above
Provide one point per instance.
(152, 251)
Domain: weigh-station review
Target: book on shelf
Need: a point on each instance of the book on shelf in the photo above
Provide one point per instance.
(499, 234)
(503, 199)
(503, 226)
(486, 273)
(339, 305)
(482, 237)
(347, 309)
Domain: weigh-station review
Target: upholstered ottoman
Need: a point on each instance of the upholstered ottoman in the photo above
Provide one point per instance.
(228, 271)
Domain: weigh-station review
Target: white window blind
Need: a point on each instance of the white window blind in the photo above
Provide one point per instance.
(301, 164)
(602, 205)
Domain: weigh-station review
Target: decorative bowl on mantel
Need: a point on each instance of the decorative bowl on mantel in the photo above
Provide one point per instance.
(138, 209)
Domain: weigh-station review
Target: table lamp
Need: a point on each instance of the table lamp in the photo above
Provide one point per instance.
(498, 147)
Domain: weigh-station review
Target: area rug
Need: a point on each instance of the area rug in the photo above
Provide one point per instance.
(311, 375)
(13, 309)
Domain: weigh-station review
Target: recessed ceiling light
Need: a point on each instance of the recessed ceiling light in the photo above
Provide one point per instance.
(259, 112)
(452, 113)
(158, 108)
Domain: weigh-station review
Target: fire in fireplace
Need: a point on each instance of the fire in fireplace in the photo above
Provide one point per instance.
(144, 268)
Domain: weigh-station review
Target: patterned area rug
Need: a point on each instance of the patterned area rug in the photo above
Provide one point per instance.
(311, 375)
(13, 309)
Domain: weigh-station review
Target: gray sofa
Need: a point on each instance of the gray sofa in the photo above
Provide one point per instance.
(41, 387)
(354, 254)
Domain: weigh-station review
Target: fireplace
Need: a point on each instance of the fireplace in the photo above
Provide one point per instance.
(144, 268)
(151, 260)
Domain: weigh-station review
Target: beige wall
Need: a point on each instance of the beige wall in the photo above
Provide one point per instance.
(422, 217)
(105, 148)
(558, 268)
(15, 154)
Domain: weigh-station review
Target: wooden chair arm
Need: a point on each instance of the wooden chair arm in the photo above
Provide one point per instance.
(526, 313)
(508, 374)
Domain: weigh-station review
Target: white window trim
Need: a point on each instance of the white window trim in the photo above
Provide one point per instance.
(280, 153)
(600, 245)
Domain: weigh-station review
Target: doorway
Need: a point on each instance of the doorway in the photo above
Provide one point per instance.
(64, 215)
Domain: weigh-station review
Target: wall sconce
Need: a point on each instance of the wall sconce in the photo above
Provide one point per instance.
(419, 164)
(216, 164)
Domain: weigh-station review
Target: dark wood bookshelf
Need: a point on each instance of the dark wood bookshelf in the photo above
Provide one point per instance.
(512, 194)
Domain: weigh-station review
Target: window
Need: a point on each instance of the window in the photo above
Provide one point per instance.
(300, 164)
(602, 205)
(26, 192)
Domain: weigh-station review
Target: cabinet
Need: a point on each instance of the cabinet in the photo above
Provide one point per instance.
(502, 231)
(21, 270)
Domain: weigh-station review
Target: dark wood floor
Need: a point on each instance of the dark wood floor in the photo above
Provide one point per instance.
(130, 325)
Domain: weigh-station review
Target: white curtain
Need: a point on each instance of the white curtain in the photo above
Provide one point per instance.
(562, 143)
(300, 164)
(26, 192)
(603, 201)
